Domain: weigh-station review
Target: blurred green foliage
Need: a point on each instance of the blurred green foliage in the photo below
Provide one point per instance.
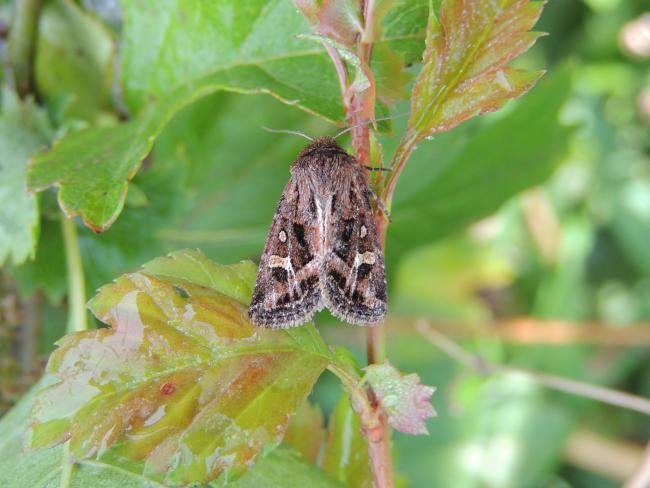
(214, 176)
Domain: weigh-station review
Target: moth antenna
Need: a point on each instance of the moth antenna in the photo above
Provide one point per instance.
(286, 131)
(347, 129)
(376, 168)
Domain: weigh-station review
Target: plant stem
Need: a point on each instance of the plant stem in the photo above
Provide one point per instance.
(375, 345)
(77, 318)
(373, 423)
(559, 383)
(20, 45)
(358, 111)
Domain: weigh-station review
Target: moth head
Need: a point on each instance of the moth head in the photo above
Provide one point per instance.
(321, 144)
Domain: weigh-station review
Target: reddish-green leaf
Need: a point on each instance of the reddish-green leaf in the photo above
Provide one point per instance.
(181, 379)
(339, 20)
(465, 70)
(404, 398)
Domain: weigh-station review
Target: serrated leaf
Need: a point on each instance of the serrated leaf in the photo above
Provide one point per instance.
(19, 468)
(462, 175)
(404, 399)
(74, 56)
(345, 454)
(465, 70)
(92, 166)
(23, 130)
(181, 379)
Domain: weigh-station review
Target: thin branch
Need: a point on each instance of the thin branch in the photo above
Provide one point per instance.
(613, 459)
(641, 477)
(360, 109)
(476, 362)
(526, 330)
(522, 330)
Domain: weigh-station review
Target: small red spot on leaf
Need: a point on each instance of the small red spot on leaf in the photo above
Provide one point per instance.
(167, 388)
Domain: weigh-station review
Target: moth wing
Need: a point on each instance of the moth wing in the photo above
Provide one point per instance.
(287, 290)
(353, 273)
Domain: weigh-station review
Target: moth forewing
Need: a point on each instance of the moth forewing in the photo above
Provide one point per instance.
(287, 291)
(322, 248)
(353, 275)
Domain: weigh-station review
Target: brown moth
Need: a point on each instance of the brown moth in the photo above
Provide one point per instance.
(322, 249)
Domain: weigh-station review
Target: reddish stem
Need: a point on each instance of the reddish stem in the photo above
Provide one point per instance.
(359, 109)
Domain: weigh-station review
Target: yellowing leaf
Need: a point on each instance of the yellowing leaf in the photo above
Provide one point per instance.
(181, 379)
(465, 70)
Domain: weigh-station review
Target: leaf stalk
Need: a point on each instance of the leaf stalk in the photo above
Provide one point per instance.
(77, 317)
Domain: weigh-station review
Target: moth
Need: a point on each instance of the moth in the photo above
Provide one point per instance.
(322, 249)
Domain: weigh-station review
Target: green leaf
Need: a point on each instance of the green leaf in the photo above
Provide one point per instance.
(91, 167)
(283, 468)
(305, 432)
(345, 455)
(249, 47)
(399, 31)
(181, 379)
(74, 56)
(173, 53)
(232, 171)
(404, 29)
(23, 130)
(467, 174)
(47, 271)
(465, 70)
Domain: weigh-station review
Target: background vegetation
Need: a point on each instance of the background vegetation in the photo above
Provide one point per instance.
(518, 241)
